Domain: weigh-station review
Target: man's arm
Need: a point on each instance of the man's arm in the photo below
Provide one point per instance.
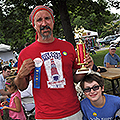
(3, 92)
(110, 66)
(118, 60)
(23, 77)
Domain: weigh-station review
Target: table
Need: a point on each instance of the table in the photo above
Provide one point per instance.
(112, 74)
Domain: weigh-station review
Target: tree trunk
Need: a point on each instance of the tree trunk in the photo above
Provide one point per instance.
(62, 7)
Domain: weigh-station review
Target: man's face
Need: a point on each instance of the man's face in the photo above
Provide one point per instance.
(112, 51)
(44, 24)
(6, 73)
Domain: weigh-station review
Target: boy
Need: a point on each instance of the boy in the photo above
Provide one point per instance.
(97, 105)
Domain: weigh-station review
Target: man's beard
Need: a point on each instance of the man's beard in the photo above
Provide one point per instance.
(42, 34)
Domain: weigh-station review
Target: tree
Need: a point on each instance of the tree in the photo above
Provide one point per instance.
(17, 30)
(65, 20)
(110, 28)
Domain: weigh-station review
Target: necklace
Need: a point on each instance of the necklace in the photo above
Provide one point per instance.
(99, 106)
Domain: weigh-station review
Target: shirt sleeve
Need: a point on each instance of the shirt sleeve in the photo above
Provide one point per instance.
(1, 87)
(118, 58)
(106, 59)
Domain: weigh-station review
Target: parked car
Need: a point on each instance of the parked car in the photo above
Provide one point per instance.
(117, 41)
(99, 39)
(107, 39)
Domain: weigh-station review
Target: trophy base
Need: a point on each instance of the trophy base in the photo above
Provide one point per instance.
(83, 70)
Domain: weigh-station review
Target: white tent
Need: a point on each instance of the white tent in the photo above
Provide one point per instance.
(5, 52)
(4, 47)
(88, 33)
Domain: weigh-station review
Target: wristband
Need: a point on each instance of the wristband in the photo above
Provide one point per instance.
(115, 66)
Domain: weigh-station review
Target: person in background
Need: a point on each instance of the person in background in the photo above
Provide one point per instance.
(97, 105)
(54, 92)
(4, 94)
(111, 59)
(16, 55)
(1, 62)
(15, 65)
(5, 73)
(15, 106)
(10, 63)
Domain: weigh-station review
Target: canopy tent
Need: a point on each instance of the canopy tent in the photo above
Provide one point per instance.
(5, 52)
(88, 33)
(4, 47)
(88, 37)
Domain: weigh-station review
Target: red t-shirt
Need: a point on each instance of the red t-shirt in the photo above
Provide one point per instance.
(56, 97)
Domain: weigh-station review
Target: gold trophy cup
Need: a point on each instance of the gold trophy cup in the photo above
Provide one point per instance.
(81, 51)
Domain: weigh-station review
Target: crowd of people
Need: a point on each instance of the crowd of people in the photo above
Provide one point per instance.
(51, 65)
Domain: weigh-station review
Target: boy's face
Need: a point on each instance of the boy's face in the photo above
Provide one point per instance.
(95, 93)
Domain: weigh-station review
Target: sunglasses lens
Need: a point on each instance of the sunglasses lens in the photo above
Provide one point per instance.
(87, 90)
(95, 88)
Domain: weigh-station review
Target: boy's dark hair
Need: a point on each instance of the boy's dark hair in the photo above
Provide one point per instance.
(6, 67)
(90, 78)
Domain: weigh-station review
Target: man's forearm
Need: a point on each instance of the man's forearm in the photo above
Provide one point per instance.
(78, 77)
(21, 83)
(110, 66)
(3, 92)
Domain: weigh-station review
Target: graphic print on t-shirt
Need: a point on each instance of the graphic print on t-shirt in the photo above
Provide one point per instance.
(53, 66)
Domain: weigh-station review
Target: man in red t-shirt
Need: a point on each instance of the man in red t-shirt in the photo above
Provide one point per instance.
(51, 63)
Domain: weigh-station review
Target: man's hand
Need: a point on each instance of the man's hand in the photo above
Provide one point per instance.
(26, 67)
(22, 78)
(88, 61)
(88, 64)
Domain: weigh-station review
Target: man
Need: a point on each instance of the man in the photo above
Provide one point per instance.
(5, 73)
(6, 70)
(51, 63)
(111, 59)
(1, 61)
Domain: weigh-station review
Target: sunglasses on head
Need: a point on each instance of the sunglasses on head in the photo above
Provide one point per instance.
(96, 87)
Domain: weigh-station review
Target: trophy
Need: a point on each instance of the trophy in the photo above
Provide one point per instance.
(81, 51)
